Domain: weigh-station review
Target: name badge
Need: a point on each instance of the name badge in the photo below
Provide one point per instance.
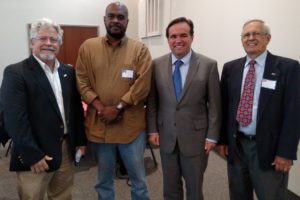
(127, 73)
(270, 84)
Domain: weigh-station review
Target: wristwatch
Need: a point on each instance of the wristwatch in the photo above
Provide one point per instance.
(120, 107)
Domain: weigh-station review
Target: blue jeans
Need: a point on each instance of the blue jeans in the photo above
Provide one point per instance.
(132, 155)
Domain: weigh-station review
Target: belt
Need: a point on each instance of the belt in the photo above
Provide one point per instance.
(248, 137)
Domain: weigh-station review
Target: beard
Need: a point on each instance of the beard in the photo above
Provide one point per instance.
(116, 35)
(47, 57)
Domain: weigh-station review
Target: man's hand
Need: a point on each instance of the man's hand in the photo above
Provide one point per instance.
(98, 105)
(41, 166)
(209, 146)
(223, 150)
(154, 139)
(82, 149)
(282, 164)
(108, 114)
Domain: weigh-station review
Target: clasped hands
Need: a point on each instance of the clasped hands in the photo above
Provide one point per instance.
(109, 114)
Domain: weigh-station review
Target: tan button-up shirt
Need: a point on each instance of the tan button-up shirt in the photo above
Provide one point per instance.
(113, 74)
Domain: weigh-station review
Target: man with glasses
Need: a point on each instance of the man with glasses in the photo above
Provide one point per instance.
(261, 112)
(113, 74)
(44, 117)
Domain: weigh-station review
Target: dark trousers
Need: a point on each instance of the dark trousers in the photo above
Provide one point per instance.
(245, 175)
(177, 167)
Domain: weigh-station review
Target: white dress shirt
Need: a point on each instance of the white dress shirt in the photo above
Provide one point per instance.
(54, 81)
(259, 72)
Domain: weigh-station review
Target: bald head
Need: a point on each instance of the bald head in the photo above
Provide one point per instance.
(117, 6)
(116, 20)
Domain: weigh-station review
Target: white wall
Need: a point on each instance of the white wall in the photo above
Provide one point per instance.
(294, 180)
(16, 14)
(218, 27)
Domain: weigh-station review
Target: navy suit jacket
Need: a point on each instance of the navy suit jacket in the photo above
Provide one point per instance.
(278, 125)
(32, 117)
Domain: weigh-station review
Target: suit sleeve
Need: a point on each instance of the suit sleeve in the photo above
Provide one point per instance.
(15, 106)
(290, 133)
(80, 137)
(214, 104)
(152, 105)
(224, 97)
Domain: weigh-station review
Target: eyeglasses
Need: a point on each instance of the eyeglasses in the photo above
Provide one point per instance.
(45, 39)
(253, 34)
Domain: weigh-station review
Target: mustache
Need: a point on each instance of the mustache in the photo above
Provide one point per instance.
(116, 25)
(48, 48)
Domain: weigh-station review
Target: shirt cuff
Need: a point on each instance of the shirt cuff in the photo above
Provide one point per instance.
(210, 140)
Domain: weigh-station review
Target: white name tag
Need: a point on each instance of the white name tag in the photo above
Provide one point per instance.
(127, 73)
(270, 84)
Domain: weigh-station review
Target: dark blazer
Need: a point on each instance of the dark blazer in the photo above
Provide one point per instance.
(32, 117)
(195, 116)
(278, 125)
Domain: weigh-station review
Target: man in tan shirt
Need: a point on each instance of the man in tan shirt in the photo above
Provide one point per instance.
(113, 76)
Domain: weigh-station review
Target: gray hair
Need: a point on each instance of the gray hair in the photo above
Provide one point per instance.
(45, 23)
(266, 28)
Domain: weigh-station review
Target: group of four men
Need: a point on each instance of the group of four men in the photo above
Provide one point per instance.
(257, 129)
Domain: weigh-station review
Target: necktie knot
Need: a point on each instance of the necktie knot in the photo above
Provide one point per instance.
(178, 63)
(252, 63)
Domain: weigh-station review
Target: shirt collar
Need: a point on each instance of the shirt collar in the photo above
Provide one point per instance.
(122, 41)
(45, 66)
(186, 59)
(260, 60)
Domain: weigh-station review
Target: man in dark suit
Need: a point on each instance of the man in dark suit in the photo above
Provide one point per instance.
(260, 125)
(184, 120)
(44, 116)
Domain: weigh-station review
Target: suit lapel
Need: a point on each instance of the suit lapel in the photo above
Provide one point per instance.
(195, 64)
(271, 72)
(237, 80)
(44, 83)
(169, 74)
(64, 77)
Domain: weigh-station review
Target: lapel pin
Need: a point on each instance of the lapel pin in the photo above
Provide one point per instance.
(65, 75)
(273, 74)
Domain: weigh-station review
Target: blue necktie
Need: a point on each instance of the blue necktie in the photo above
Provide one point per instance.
(177, 79)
